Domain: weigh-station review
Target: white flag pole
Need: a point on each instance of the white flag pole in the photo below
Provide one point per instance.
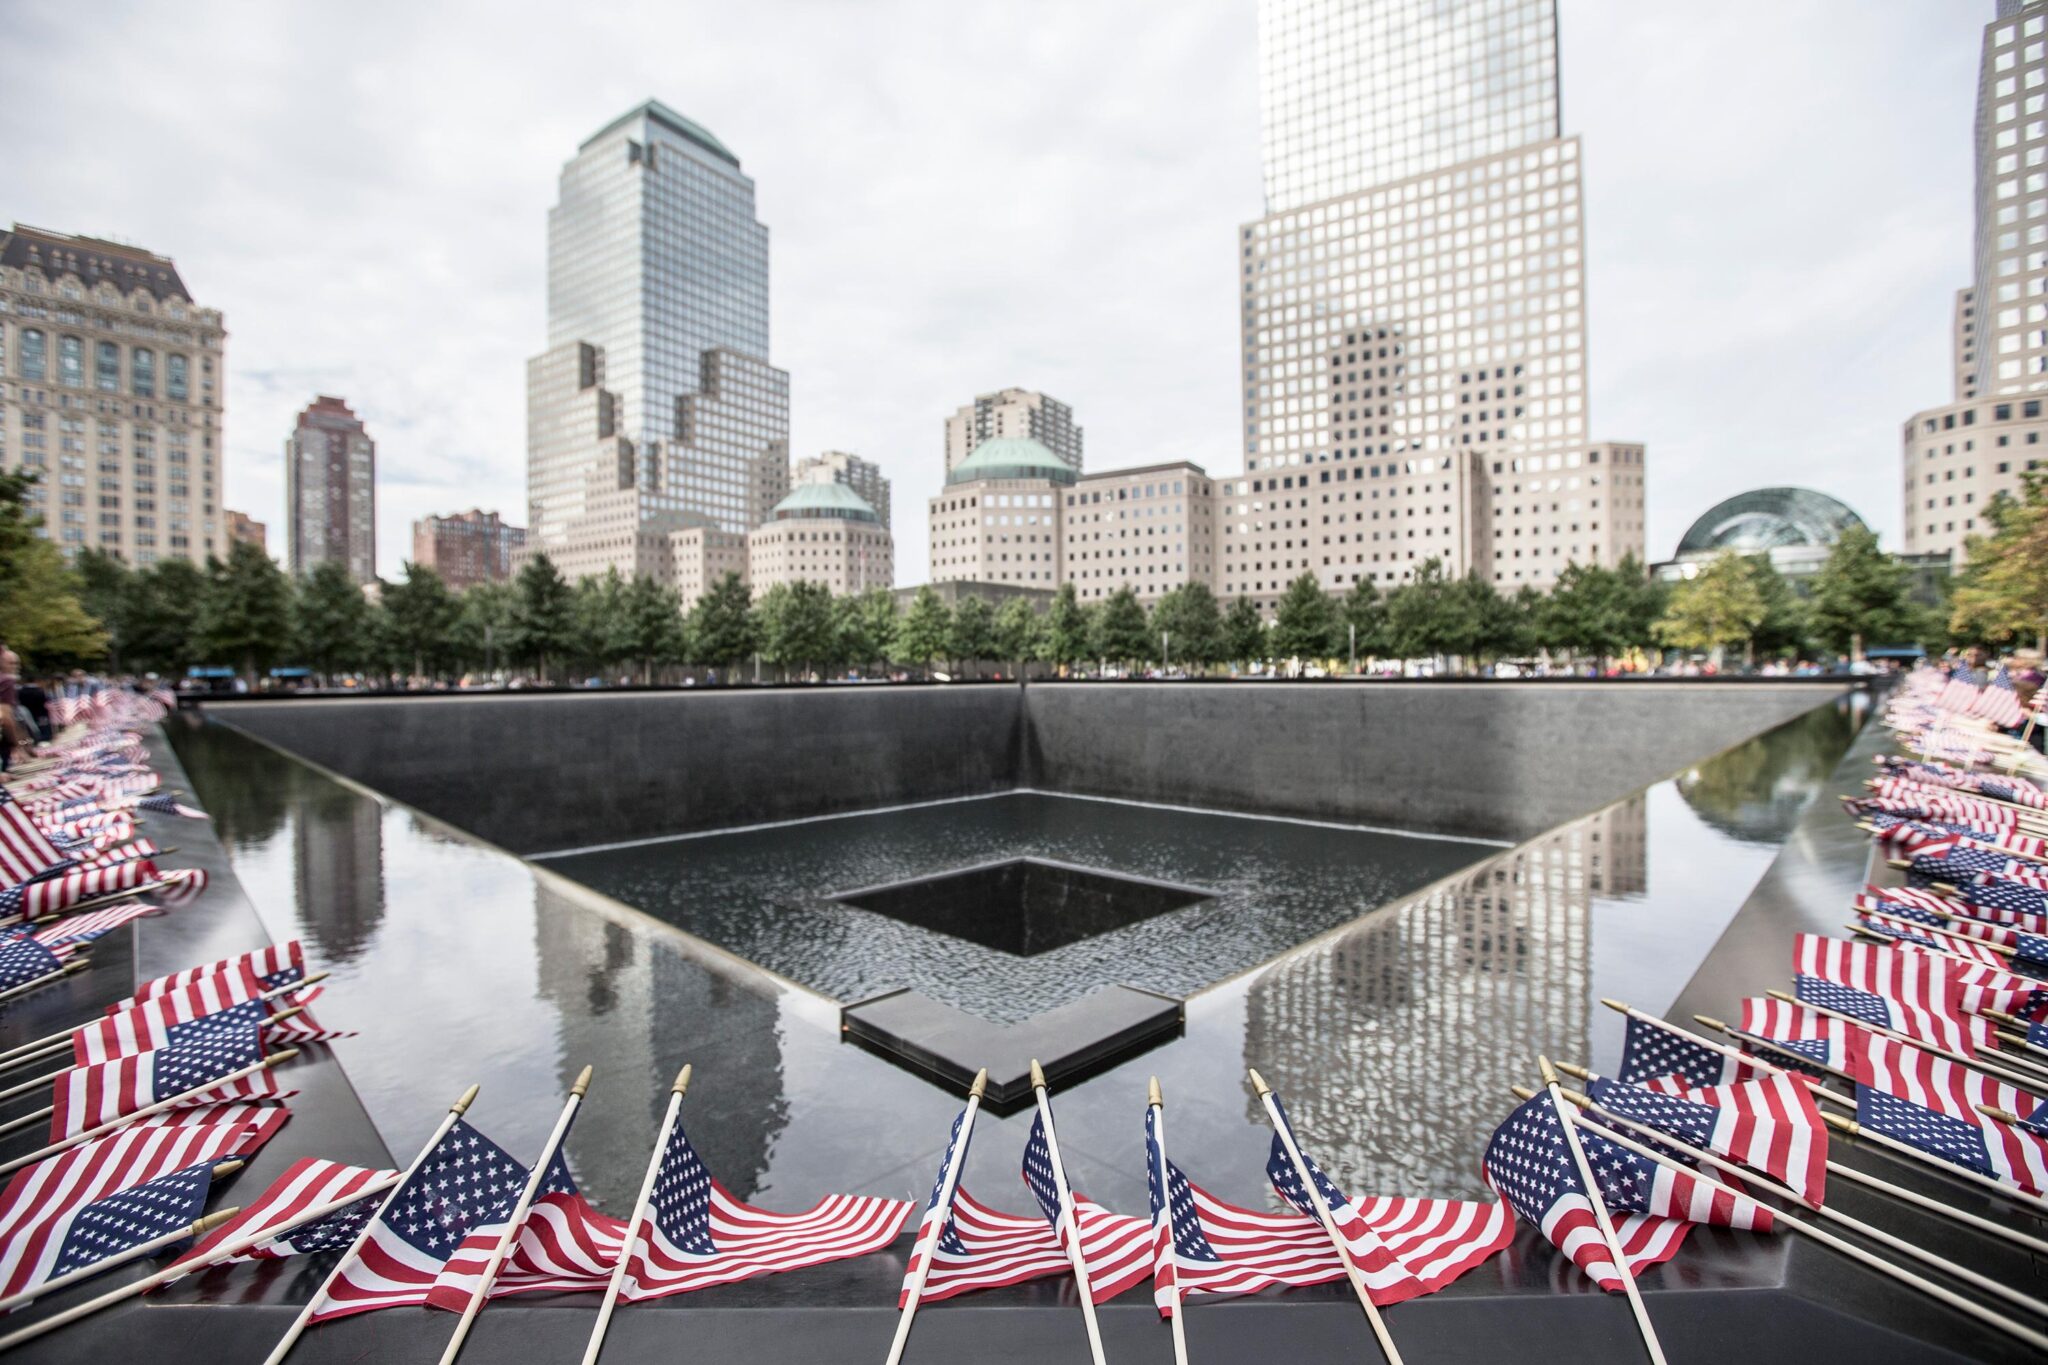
(633, 1224)
(1157, 1103)
(1567, 1121)
(1069, 1225)
(298, 1327)
(949, 1181)
(518, 1218)
(1301, 1172)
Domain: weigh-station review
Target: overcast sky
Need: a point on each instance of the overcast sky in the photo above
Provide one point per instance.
(963, 196)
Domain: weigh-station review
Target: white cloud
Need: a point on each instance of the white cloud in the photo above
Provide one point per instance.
(967, 196)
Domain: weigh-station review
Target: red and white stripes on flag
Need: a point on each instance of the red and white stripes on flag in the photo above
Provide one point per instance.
(1926, 999)
(147, 1026)
(25, 851)
(982, 1248)
(753, 1242)
(64, 936)
(1960, 1092)
(564, 1246)
(306, 1184)
(53, 894)
(85, 1097)
(250, 970)
(1771, 1124)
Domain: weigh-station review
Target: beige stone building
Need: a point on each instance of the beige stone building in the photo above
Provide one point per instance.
(822, 533)
(1956, 458)
(242, 526)
(699, 557)
(997, 520)
(467, 548)
(1013, 412)
(1153, 528)
(112, 390)
(862, 476)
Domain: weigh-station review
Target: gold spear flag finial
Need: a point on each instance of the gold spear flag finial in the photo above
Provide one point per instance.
(582, 1086)
(1523, 1092)
(1037, 1075)
(1574, 1071)
(227, 1168)
(461, 1106)
(277, 1058)
(214, 1220)
(1549, 1071)
(980, 1086)
(313, 980)
(1710, 1021)
(2002, 1115)
(282, 1015)
(1840, 1124)
(682, 1084)
(1259, 1082)
(1617, 1006)
(1153, 1099)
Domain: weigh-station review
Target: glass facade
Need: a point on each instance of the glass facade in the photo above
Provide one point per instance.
(655, 261)
(1356, 93)
(2011, 294)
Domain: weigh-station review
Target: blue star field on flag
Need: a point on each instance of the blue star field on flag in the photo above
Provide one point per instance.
(1169, 1190)
(467, 1179)
(1280, 1170)
(141, 1213)
(1952, 1139)
(1649, 1050)
(1038, 1172)
(23, 960)
(681, 1203)
(1860, 1005)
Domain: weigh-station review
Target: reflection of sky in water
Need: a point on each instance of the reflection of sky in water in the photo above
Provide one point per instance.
(1393, 1038)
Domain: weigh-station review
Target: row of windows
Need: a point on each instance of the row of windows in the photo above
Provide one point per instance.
(33, 362)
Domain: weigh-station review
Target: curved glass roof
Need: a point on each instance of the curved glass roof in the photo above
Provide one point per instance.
(1012, 457)
(834, 500)
(1766, 519)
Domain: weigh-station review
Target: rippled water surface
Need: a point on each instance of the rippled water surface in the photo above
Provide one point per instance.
(1393, 1036)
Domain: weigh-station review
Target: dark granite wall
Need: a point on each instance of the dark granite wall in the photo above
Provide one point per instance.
(546, 772)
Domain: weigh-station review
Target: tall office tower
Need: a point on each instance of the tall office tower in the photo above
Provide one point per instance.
(654, 407)
(1413, 308)
(112, 390)
(836, 466)
(1961, 455)
(1013, 412)
(330, 491)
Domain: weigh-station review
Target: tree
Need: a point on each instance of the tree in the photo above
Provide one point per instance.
(972, 637)
(1192, 623)
(867, 626)
(1418, 614)
(330, 620)
(1362, 619)
(482, 626)
(2003, 592)
(1304, 621)
(105, 589)
(798, 629)
(1784, 629)
(926, 630)
(721, 627)
(421, 614)
(1066, 636)
(1587, 613)
(650, 626)
(1244, 633)
(245, 612)
(160, 621)
(1018, 633)
(1861, 596)
(40, 614)
(1481, 623)
(1120, 632)
(542, 625)
(1721, 606)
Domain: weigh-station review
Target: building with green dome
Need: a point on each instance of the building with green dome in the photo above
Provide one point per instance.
(822, 532)
(997, 520)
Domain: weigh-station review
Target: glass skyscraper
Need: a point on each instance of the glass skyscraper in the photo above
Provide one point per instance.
(654, 406)
(1413, 309)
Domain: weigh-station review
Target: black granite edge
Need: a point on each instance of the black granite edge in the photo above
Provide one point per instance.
(327, 1117)
(1071, 1042)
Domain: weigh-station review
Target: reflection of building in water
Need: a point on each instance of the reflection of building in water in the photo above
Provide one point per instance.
(338, 869)
(1394, 1042)
(1618, 841)
(637, 1010)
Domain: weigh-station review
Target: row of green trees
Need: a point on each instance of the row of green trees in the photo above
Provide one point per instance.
(246, 613)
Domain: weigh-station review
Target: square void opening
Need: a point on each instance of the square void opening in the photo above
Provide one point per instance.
(1024, 906)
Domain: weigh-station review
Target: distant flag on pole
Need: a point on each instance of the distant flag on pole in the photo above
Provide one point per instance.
(1116, 1248)
(25, 850)
(1999, 702)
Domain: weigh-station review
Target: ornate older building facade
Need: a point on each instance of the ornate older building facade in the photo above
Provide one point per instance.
(112, 392)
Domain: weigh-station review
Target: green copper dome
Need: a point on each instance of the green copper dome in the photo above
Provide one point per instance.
(830, 500)
(1012, 457)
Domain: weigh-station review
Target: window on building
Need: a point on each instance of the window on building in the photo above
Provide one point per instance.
(71, 362)
(33, 358)
(142, 372)
(106, 366)
(174, 379)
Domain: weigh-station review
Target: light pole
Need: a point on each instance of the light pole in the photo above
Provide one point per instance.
(1352, 629)
(1165, 654)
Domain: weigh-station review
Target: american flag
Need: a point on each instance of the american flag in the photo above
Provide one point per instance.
(1800, 1032)
(1961, 691)
(306, 1184)
(94, 1232)
(1650, 1051)
(87, 1096)
(37, 899)
(25, 850)
(695, 1234)
(2003, 901)
(1116, 1249)
(564, 1246)
(1770, 1125)
(73, 931)
(128, 852)
(1957, 1141)
(1652, 1206)
(38, 1196)
(1402, 1247)
(23, 960)
(1958, 1092)
(168, 1019)
(1914, 933)
(971, 1246)
(264, 969)
(166, 805)
(1999, 702)
(1909, 992)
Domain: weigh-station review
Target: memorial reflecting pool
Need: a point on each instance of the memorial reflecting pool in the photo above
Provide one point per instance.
(1393, 1034)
